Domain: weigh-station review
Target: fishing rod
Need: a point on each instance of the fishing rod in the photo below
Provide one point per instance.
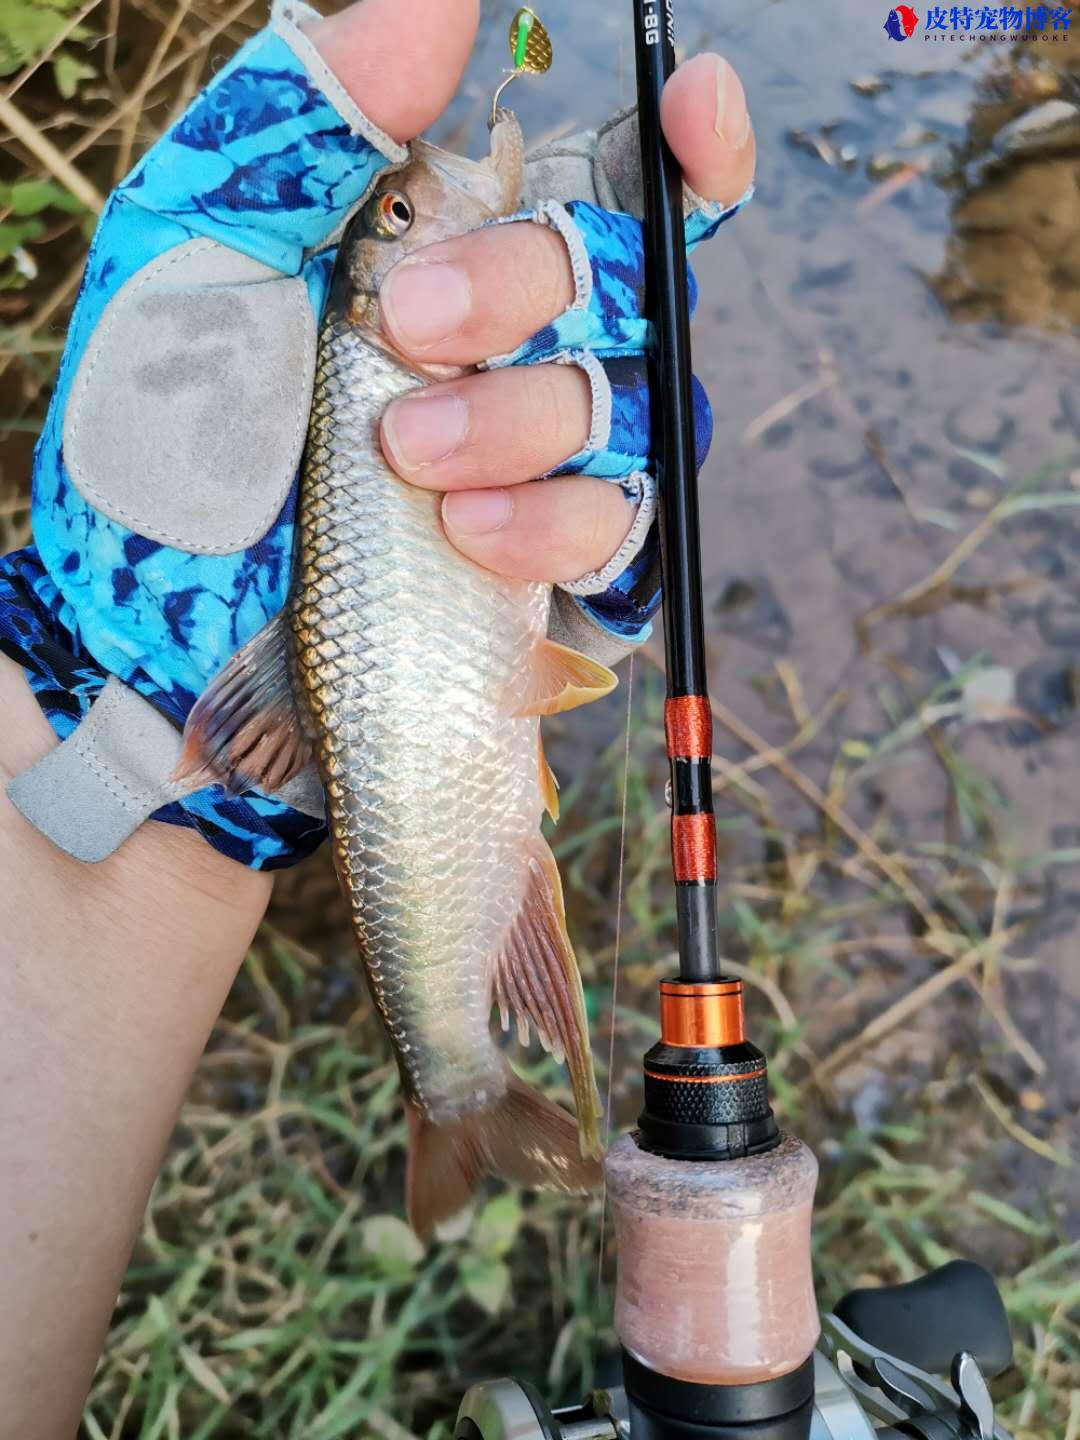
(687, 716)
(715, 1309)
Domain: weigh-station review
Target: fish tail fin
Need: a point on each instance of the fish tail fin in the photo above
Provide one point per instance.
(523, 1137)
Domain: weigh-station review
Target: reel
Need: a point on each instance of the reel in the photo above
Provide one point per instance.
(878, 1375)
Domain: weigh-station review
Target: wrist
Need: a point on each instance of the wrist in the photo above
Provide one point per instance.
(111, 978)
(159, 862)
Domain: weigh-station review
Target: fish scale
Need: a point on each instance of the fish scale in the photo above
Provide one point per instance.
(407, 650)
(416, 680)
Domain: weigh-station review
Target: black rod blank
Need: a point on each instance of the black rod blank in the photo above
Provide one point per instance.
(667, 308)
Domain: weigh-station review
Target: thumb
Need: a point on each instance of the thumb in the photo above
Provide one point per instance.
(400, 60)
(706, 122)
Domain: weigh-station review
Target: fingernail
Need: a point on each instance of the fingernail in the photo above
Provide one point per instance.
(732, 123)
(422, 429)
(424, 302)
(476, 512)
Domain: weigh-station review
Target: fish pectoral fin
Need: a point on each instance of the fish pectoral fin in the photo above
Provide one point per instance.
(244, 730)
(561, 679)
(523, 1136)
(537, 980)
(549, 786)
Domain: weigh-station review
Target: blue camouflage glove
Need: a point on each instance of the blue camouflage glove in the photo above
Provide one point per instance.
(164, 488)
(604, 332)
(162, 547)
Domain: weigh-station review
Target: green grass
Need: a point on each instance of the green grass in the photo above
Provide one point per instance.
(275, 1290)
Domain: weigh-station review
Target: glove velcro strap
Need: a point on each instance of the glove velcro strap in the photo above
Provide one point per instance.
(96, 788)
(120, 747)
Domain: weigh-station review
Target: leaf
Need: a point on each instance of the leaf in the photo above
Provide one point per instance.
(456, 1227)
(28, 28)
(487, 1282)
(68, 71)
(13, 236)
(153, 1325)
(856, 750)
(252, 1339)
(1009, 1215)
(392, 1242)
(203, 1376)
(990, 688)
(986, 462)
(498, 1224)
(1044, 500)
(941, 518)
(31, 197)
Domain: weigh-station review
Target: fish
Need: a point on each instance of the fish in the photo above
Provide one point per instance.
(901, 22)
(416, 679)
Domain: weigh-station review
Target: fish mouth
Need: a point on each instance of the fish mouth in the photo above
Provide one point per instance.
(362, 314)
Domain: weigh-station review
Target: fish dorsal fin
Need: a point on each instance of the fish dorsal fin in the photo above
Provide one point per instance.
(244, 730)
(549, 786)
(561, 679)
(537, 981)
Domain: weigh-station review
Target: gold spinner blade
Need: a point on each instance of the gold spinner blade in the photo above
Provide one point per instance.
(530, 49)
(530, 43)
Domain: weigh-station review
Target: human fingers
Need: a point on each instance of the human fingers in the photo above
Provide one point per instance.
(556, 530)
(707, 124)
(495, 428)
(400, 60)
(483, 294)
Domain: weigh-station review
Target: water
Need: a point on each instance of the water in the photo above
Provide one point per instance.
(883, 368)
(881, 374)
(883, 371)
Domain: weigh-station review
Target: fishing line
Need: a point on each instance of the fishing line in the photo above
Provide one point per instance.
(615, 961)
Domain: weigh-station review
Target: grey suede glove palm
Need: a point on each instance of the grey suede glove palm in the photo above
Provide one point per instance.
(165, 478)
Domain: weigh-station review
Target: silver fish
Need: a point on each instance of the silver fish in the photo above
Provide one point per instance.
(416, 679)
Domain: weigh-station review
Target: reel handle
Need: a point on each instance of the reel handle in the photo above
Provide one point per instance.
(927, 1321)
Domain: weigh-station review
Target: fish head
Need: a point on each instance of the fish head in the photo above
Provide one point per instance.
(436, 196)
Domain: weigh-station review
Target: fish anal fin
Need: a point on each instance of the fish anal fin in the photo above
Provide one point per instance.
(561, 679)
(244, 730)
(549, 786)
(524, 1137)
(537, 979)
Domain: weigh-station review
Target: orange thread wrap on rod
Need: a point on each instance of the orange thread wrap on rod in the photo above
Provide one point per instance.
(688, 727)
(693, 847)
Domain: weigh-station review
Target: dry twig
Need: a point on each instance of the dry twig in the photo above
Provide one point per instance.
(775, 758)
(43, 149)
(806, 787)
(909, 1004)
(1012, 1127)
(924, 589)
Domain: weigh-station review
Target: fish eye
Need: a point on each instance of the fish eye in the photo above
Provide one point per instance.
(392, 214)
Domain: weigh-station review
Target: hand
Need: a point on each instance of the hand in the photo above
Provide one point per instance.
(164, 495)
(111, 975)
(163, 488)
(98, 1044)
(484, 439)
